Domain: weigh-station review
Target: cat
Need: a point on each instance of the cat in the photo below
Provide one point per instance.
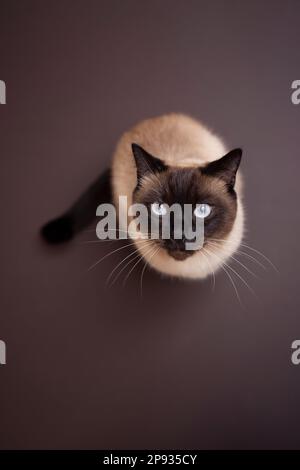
(161, 161)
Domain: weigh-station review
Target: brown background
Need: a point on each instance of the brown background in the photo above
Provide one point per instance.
(92, 367)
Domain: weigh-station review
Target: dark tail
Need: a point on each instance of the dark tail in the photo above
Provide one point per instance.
(82, 212)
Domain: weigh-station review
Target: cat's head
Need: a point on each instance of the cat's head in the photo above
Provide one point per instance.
(209, 189)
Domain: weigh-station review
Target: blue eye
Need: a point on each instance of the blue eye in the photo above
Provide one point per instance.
(158, 209)
(202, 211)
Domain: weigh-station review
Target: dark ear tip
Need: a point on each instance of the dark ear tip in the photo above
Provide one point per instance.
(235, 156)
(238, 151)
(135, 147)
(136, 150)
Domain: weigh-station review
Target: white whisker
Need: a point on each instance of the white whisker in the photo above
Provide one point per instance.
(249, 248)
(242, 253)
(237, 274)
(144, 269)
(240, 263)
(211, 269)
(109, 254)
(119, 264)
(128, 274)
(124, 267)
(230, 278)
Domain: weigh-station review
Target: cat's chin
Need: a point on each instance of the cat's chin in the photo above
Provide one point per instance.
(180, 255)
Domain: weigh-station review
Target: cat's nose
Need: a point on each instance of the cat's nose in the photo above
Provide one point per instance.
(176, 245)
(177, 249)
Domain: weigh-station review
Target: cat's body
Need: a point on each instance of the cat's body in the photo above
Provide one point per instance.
(179, 141)
(185, 165)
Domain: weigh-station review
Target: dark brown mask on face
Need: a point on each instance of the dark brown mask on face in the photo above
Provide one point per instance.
(212, 185)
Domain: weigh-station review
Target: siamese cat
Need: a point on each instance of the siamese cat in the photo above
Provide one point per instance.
(161, 161)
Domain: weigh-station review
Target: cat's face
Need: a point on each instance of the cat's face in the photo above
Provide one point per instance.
(209, 190)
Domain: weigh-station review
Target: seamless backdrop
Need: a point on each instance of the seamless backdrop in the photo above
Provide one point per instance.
(184, 366)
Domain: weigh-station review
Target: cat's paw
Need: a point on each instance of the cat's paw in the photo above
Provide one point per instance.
(58, 230)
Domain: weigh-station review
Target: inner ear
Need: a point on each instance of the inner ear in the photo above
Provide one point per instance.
(145, 162)
(226, 167)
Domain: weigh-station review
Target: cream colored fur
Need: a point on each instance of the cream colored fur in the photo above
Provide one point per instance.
(179, 141)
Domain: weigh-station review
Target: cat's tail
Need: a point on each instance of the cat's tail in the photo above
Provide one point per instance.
(81, 213)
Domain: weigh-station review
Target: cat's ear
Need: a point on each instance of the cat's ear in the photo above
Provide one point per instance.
(226, 167)
(146, 163)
